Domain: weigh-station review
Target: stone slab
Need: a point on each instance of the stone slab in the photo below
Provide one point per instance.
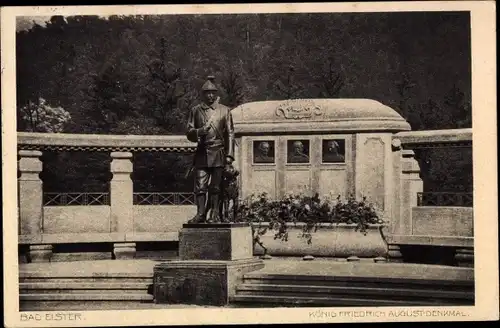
(332, 270)
(226, 242)
(443, 221)
(81, 256)
(449, 241)
(215, 225)
(200, 282)
(107, 237)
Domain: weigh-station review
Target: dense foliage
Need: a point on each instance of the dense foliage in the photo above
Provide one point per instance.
(141, 74)
(41, 117)
(310, 211)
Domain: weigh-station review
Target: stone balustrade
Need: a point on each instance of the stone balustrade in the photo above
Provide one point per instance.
(103, 143)
(435, 138)
(436, 219)
(117, 216)
(125, 219)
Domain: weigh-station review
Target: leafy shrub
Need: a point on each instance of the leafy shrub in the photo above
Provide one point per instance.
(312, 212)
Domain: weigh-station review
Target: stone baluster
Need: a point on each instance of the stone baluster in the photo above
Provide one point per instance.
(393, 251)
(412, 184)
(121, 197)
(31, 203)
(464, 257)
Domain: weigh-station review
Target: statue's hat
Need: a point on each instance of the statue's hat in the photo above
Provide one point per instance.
(210, 84)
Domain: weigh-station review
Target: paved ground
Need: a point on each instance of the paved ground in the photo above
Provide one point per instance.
(367, 269)
(103, 306)
(293, 266)
(274, 266)
(85, 268)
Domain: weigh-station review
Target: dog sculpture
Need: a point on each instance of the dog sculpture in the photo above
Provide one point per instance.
(230, 193)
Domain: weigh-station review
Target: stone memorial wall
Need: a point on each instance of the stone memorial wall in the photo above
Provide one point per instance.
(333, 147)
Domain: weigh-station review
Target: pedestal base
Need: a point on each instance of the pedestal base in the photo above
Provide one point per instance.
(213, 260)
(200, 282)
(217, 241)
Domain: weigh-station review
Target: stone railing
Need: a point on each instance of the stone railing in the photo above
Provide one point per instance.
(117, 216)
(124, 218)
(75, 198)
(430, 219)
(460, 199)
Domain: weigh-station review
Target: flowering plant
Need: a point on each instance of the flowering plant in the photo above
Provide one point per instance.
(311, 211)
(41, 117)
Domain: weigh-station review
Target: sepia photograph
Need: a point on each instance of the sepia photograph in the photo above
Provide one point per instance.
(316, 158)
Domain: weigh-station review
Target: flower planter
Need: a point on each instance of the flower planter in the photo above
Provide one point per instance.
(337, 240)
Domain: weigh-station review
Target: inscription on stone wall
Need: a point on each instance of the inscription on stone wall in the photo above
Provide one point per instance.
(298, 109)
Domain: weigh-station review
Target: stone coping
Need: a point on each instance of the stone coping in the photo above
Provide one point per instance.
(276, 111)
(72, 238)
(435, 136)
(208, 264)
(317, 115)
(103, 142)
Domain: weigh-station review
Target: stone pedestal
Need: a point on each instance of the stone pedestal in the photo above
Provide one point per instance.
(213, 260)
(218, 241)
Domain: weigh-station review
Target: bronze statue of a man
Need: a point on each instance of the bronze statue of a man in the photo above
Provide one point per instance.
(210, 125)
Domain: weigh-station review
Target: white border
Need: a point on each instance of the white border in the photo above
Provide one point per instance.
(484, 153)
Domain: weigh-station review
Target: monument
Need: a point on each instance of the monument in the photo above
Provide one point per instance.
(214, 253)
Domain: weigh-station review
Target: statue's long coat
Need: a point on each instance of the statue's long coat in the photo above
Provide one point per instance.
(212, 148)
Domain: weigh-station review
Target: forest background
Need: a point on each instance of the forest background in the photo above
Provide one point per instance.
(141, 74)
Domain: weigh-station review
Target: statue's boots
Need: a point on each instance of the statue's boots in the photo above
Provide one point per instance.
(201, 212)
(214, 208)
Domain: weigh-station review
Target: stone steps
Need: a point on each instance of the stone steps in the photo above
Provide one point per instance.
(330, 290)
(279, 289)
(336, 279)
(88, 280)
(68, 305)
(38, 290)
(86, 297)
(350, 283)
(81, 287)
